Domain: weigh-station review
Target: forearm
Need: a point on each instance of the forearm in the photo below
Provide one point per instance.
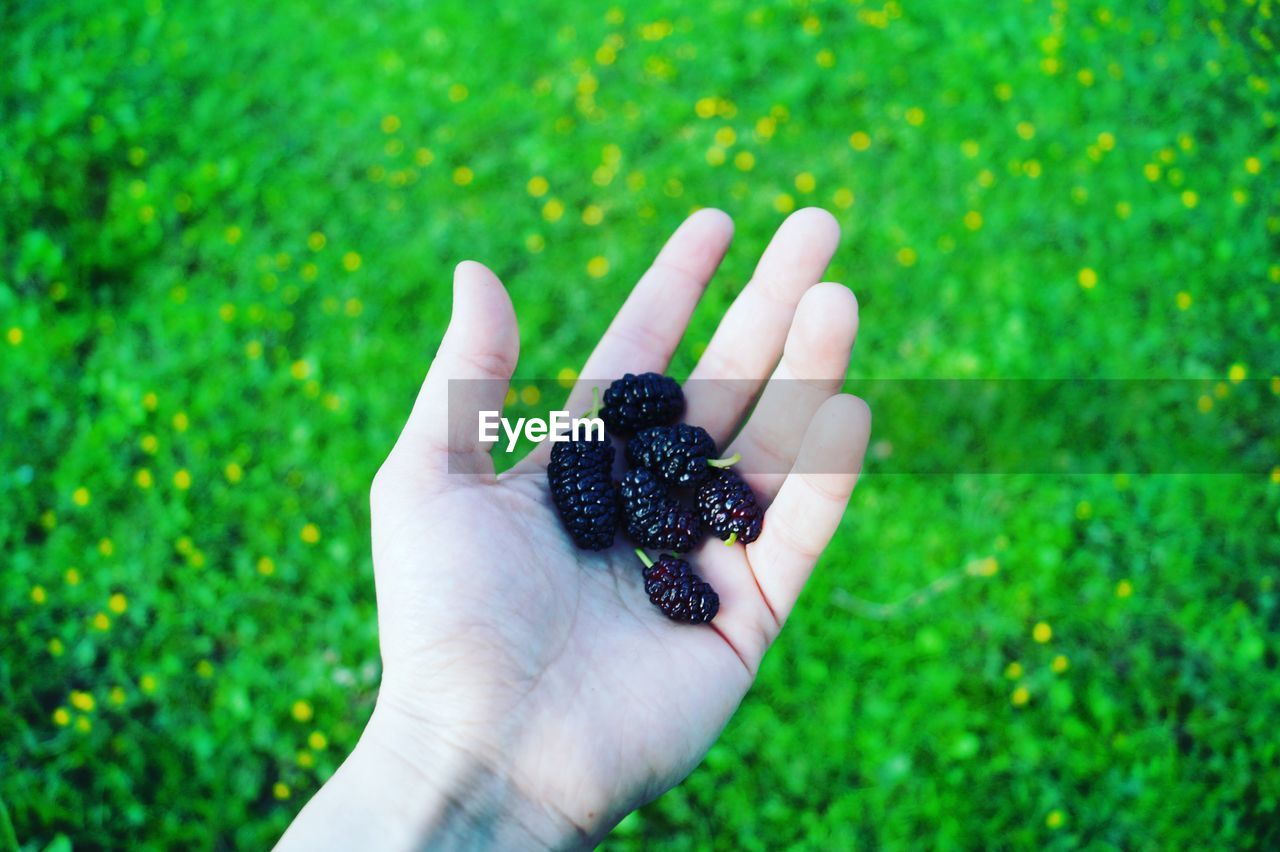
(382, 798)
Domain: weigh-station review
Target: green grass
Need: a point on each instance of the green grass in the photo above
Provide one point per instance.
(167, 310)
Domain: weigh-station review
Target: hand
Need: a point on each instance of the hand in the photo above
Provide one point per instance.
(531, 694)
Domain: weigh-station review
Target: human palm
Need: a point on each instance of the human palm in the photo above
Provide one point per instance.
(541, 670)
(549, 660)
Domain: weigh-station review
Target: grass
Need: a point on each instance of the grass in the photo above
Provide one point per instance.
(226, 238)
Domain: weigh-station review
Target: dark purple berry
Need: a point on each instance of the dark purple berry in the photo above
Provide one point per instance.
(636, 402)
(581, 478)
(681, 594)
(729, 508)
(677, 455)
(653, 517)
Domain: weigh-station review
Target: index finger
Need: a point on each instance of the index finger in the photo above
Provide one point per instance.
(648, 327)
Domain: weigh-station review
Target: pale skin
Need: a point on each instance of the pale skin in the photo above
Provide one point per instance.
(531, 695)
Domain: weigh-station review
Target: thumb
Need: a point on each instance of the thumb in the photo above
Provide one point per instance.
(471, 372)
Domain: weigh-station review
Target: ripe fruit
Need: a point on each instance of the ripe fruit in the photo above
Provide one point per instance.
(729, 508)
(636, 402)
(681, 594)
(677, 455)
(653, 517)
(580, 474)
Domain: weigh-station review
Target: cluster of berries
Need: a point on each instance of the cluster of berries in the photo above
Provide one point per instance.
(666, 459)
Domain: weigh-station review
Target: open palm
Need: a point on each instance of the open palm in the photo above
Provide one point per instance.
(540, 673)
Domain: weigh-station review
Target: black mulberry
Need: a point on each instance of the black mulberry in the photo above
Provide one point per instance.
(581, 477)
(636, 402)
(653, 517)
(677, 455)
(681, 594)
(729, 508)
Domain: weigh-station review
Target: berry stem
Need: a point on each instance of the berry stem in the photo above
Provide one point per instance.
(729, 462)
(648, 563)
(733, 536)
(595, 403)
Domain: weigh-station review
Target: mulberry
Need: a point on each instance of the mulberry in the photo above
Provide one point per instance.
(677, 455)
(681, 594)
(636, 402)
(582, 488)
(729, 508)
(653, 517)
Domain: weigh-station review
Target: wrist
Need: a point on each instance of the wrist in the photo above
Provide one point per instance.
(397, 790)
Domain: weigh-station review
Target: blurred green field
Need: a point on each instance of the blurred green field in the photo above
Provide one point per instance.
(226, 239)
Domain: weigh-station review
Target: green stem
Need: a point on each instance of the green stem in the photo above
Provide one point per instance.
(595, 403)
(731, 460)
(733, 536)
(648, 563)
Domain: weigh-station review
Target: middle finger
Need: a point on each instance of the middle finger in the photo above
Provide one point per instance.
(748, 342)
